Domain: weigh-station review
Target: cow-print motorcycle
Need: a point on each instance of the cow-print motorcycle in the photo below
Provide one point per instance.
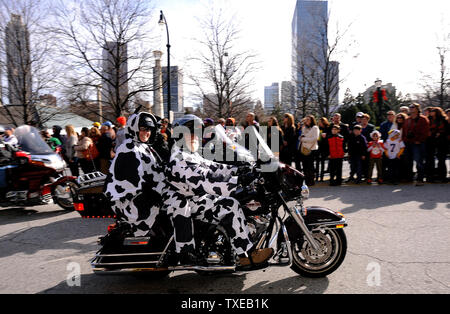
(310, 240)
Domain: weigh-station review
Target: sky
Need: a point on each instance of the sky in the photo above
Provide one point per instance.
(394, 40)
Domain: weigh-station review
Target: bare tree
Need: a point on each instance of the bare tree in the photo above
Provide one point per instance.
(303, 91)
(226, 72)
(107, 43)
(26, 60)
(437, 90)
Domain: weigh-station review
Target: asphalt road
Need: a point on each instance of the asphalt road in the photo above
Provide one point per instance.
(397, 243)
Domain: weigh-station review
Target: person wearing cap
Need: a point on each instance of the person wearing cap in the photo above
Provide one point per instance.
(120, 134)
(416, 130)
(394, 151)
(357, 121)
(136, 181)
(404, 109)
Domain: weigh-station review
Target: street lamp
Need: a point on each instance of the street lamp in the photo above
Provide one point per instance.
(379, 97)
(163, 21)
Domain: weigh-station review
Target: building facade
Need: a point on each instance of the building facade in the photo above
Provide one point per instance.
(176, 90)
(271, 97)
(311, 67)
(18, 61)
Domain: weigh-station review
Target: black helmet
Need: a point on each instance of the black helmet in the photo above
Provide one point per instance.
(192, 122)
(147, 120)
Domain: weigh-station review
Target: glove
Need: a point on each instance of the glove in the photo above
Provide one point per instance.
(244, 170)
(247, 178)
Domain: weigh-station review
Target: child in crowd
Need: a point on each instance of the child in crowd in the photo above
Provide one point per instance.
(357, 149)
(336, 149)
(394, 150)
(376, 149)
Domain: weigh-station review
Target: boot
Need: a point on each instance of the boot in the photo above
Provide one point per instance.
(256, 257)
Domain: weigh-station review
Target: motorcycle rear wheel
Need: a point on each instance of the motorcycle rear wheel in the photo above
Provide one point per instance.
(333, 248)
(63, 194)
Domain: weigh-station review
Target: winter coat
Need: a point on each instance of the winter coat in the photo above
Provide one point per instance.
(336, 146)
(136, 169)
(310, 137)
(416, 130)
(192, 175)
(357, 145)
(82, 145)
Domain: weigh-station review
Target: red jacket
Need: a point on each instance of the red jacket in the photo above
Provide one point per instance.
(416, 130)
(336, 145)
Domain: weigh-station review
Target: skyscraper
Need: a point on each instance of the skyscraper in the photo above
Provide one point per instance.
(115, 73)
(310, 59)
(271, 97)
(18, 61)
(176, 89)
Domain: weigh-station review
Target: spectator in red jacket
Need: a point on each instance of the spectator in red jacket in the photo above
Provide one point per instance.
(416, 130)
(336, 147)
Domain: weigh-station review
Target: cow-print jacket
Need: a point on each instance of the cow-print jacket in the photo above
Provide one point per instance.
(136, 169)
(193, 175)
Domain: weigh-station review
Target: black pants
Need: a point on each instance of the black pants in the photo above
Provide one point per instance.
(86, 165)
(393, 170)
(308, 167)
(320, 165)
(356, 163)
(336, 171)
(73, 166)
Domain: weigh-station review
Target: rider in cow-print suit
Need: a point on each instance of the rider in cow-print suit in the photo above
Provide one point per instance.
(136, 181)
(204, 190)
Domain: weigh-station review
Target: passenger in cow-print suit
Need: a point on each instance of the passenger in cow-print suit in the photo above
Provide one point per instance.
(204, 190)
(136, 181)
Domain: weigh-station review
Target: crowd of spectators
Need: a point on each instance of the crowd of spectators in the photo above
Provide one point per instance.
(410, 146)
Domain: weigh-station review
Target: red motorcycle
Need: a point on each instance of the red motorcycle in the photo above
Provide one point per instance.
(34, 175)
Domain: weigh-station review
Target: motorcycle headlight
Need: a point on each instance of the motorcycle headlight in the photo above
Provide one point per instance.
(305, 191)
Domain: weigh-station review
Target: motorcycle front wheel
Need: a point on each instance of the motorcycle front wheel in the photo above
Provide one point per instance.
(309, 263)
(63, 194)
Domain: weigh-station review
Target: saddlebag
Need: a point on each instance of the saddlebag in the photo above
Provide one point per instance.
(89, 200)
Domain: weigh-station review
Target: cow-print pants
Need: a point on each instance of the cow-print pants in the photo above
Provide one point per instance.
(140, 217)
(211, 209)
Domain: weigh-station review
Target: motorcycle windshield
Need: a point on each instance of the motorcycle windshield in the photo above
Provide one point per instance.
(250, 148)
(30, 141)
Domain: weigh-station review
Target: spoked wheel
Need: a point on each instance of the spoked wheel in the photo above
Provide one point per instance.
(309, 263)
(63, 194)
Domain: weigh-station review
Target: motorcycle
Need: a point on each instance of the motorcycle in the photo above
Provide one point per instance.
(34, 174)
(310, 240)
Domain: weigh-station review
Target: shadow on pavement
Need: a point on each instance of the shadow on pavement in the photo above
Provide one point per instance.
(189, 283)
(25, 214)
(363, 196)
(59, 235)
